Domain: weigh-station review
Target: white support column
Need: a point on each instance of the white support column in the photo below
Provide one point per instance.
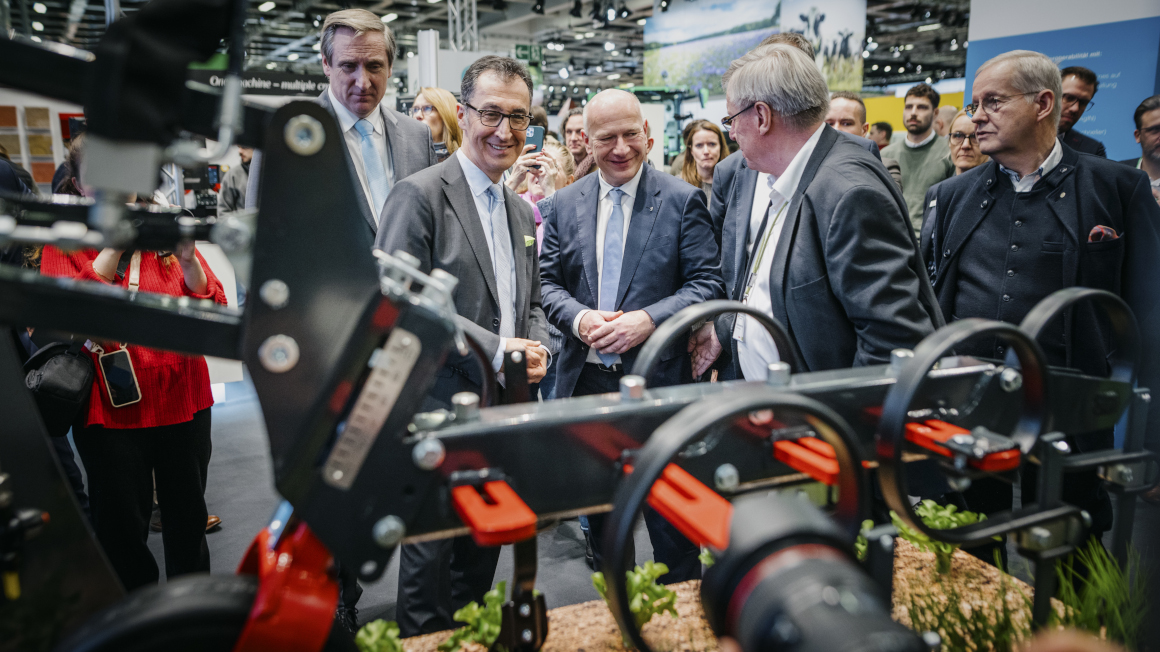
(428, 55)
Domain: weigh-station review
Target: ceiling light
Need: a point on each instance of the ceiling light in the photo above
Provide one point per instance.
(909, 46)
(579, 37)
(432, 2)
(887, 68)
(316, 47)
(577, 9)
(410, 55)
(35, 38)
(610, 13)
(628, 49)
(874, 67)
(928, 80)
(614, 76)
(270, 66)
(599, 68)
(390, 17)
(927, 28)
(609, 46)
(266, 6)
(38, 26)
(865, 54)
(551, 89)
(293, 56)
(615, 53)
(588, 91)
(589, 34)
(538, 7)
(641, 21)
(563, 73)
(39, 8)
(664, 5)
(624, 10)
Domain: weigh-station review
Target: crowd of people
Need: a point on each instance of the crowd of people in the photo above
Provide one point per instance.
(857, 243)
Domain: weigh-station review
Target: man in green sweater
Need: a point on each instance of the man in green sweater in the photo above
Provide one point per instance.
(923, 156)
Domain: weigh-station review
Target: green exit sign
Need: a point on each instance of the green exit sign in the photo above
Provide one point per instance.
(530, 53)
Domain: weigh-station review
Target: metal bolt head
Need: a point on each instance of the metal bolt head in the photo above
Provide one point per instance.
(726, 477)
(525, 610)
(304, 135)
(959, 483)
(466, 406)
(899, 358)
(1040, 536)
(1062, 447)
(778, 374)
(388, 531)
(631, 388)
(517, 356)
(275, 293)
(278, 354)
(1010, 380)
(931, 640)
(1121, 474)
(963, 440)
(428, 454)
(526, 636)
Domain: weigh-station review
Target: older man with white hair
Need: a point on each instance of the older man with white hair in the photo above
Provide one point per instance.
(1040, 217)
(625, 249)
(826, 249)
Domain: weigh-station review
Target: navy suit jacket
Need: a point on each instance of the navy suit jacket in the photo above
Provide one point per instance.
(670, 262)
(1083, 143)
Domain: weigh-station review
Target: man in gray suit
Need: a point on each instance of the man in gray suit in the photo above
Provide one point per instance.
(383, 146)
(458, 216)
(826, 249)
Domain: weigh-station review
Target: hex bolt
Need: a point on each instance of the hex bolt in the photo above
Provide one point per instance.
(963, 440)
(726, 477)
(275, 293)
(631, 388)
(1121, 474)
(526, 636)
(517, 356)
(1085, 517)
(778, 374)
(1062, 447)
(428, 454)
(278, 354)
(389, 531)
(525, 610)
(466, 406)
(1010, 380)
(899, 358)
(959, 483)
(1040, 536)
(304, 135)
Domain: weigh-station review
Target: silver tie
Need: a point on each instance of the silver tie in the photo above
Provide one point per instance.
(501, 242)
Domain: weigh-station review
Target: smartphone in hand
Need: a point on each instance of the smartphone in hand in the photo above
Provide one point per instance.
(535, 137)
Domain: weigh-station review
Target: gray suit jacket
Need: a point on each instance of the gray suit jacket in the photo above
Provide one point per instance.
(431, 215)
(847, 280)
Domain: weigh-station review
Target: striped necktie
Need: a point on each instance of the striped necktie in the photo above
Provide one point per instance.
(376, 177)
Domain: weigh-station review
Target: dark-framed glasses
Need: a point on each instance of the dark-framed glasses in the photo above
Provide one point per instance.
(417, 111)
(517, 121)
(1081, 103)
(993, 103)
(957, 138)
(727, 123)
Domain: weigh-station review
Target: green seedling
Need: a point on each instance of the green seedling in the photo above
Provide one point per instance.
(379, 636)
(937, 517)
(706, 557)
(646, 598)
(482, 624)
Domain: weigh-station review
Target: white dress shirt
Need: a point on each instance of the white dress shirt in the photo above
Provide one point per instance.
(353, 138)
(755, 348)
(603, 214)
(906, 139)
(1026, 183)
(479, 182)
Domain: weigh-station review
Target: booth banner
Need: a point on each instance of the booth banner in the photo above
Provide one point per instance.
(266, 82)
(1122, 53)
(693, 44)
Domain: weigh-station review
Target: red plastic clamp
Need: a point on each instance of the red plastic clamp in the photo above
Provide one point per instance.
(502, 518)
(700, 513)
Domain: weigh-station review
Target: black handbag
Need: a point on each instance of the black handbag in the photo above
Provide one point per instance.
(60, 376)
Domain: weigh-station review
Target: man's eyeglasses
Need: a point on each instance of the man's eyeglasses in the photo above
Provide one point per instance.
(992, 104)
(1083, 104)
(957, 138)
(727, 123)
(517, 121)
(1152, 131)
(416, 111)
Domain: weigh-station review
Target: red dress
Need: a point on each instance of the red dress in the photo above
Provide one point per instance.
(173, 386)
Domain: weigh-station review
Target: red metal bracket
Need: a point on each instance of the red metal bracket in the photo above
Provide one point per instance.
(700, 513)
(933, 433)
(499, 519)
(802, 455)
(297, 592)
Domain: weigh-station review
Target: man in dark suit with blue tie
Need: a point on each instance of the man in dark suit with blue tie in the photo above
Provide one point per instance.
(625, 249)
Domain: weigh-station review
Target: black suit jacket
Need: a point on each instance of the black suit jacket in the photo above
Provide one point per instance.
(1083, 144)
(670, 262)
(1091, 191)
(431, 215)
(847, 280)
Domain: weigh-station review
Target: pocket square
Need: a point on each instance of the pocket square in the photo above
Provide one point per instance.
(1100, 233)
(529, 240)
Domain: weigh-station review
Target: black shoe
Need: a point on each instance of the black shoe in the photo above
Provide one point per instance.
(348, 616)
(589, 558)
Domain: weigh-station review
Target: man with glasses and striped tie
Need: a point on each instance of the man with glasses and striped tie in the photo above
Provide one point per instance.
(459, 217)
(625, 249)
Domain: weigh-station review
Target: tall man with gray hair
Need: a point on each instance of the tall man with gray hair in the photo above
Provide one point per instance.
(826, 249)
(1039, 217)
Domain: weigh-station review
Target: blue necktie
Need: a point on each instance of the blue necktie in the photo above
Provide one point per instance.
(501, 242)
(376, 178)
(610, 269)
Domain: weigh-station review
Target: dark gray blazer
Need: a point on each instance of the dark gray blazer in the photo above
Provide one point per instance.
(847, 280)
(670, 262)
(431, 215)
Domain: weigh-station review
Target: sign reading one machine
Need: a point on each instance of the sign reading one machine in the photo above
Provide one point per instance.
(266, 82)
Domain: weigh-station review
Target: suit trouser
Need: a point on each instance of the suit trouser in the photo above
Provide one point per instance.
(670, 547)
(121, 464)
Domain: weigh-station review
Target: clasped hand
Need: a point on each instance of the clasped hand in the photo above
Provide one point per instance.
(615, 332)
